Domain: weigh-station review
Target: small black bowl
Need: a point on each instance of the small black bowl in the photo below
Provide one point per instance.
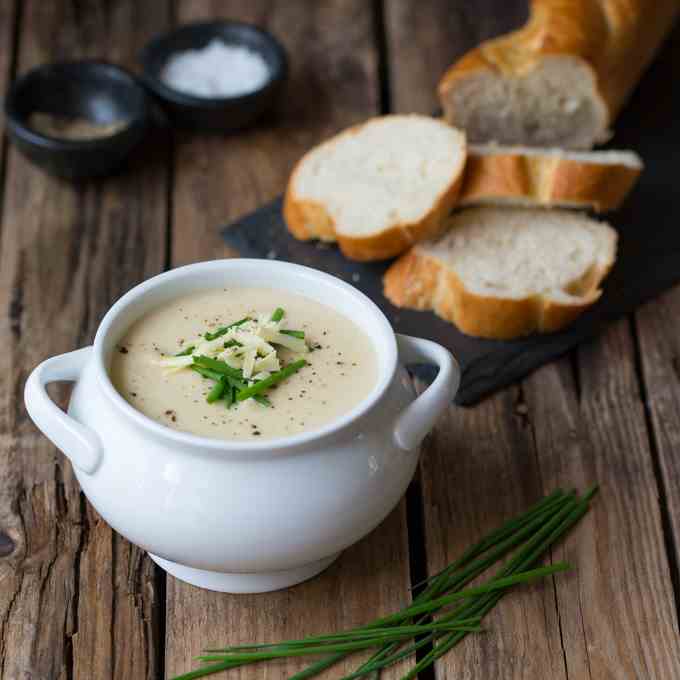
(219, 114)
(93, 90)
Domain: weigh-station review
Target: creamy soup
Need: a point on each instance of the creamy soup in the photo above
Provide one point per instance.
(326, 366)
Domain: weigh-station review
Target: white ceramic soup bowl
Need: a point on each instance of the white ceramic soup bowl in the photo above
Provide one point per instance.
(242, 516)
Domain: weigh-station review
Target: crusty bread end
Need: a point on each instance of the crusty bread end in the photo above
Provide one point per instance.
(561, 79)
(423, 280)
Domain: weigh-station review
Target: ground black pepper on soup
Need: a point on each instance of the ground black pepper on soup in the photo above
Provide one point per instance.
(244, 364)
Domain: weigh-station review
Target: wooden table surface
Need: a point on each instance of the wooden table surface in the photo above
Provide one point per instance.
(78, 602)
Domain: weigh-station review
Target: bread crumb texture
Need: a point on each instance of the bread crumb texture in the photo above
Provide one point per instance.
(377, 187)
(504, 272)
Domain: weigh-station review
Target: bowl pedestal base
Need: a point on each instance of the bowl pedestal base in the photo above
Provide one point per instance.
(262, 582)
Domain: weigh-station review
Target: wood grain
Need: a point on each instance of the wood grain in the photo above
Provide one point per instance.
(658, 326)
(333, 84)
(8, 9)
(617, 615)
(479, 469)
(76, 600)
(424, 39)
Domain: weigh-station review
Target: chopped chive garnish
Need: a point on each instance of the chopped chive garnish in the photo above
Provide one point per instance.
(236, 383)
(206, 372)
(274, 378)
(217, 391)
(223, 329)
(218, 366)
(230, 384)
(229, 395)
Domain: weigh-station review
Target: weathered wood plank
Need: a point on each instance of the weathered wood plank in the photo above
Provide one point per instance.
(478, 470)
(659, 342)
(76, 600)
(333, 84)
(617, 616)
(658, 326)
(8, 9)
(424, 39)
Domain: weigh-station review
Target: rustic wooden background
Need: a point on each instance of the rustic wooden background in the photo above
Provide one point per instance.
(78, 602)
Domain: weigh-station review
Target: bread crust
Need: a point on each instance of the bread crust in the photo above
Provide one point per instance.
(547, 180)
(614, 39)
(308, 219)
(420, 281)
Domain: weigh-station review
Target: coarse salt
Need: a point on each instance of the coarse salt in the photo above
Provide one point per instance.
(216, 70)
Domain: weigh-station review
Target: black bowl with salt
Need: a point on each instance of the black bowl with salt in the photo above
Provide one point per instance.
(78, 118)
(215, 76)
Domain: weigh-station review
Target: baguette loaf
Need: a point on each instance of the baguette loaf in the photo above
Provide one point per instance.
(562, 78)
(506, 272)
(526, 176)
(379, 187)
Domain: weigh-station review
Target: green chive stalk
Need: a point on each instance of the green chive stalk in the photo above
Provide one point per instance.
(530, 553)
(504, 538)
(223, 330)
(206, 372)
(216, 391)
(313, 646)
(395, 631)
(218, 366)
(534, 517)
(460, 609)
(274, 378)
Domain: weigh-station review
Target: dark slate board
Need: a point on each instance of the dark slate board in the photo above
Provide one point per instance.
(648, 261)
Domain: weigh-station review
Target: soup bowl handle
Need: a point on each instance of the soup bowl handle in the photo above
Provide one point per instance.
(421, 415)
(79, 443)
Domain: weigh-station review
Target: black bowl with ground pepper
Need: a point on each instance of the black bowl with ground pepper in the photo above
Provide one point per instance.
(77, 119)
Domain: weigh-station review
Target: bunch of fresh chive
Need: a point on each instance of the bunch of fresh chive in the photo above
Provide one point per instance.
(230, 384)
(458, 609)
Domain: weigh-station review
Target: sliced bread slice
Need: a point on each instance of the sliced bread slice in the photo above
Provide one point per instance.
(379, 187)
(506, 272)
(525, 176)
